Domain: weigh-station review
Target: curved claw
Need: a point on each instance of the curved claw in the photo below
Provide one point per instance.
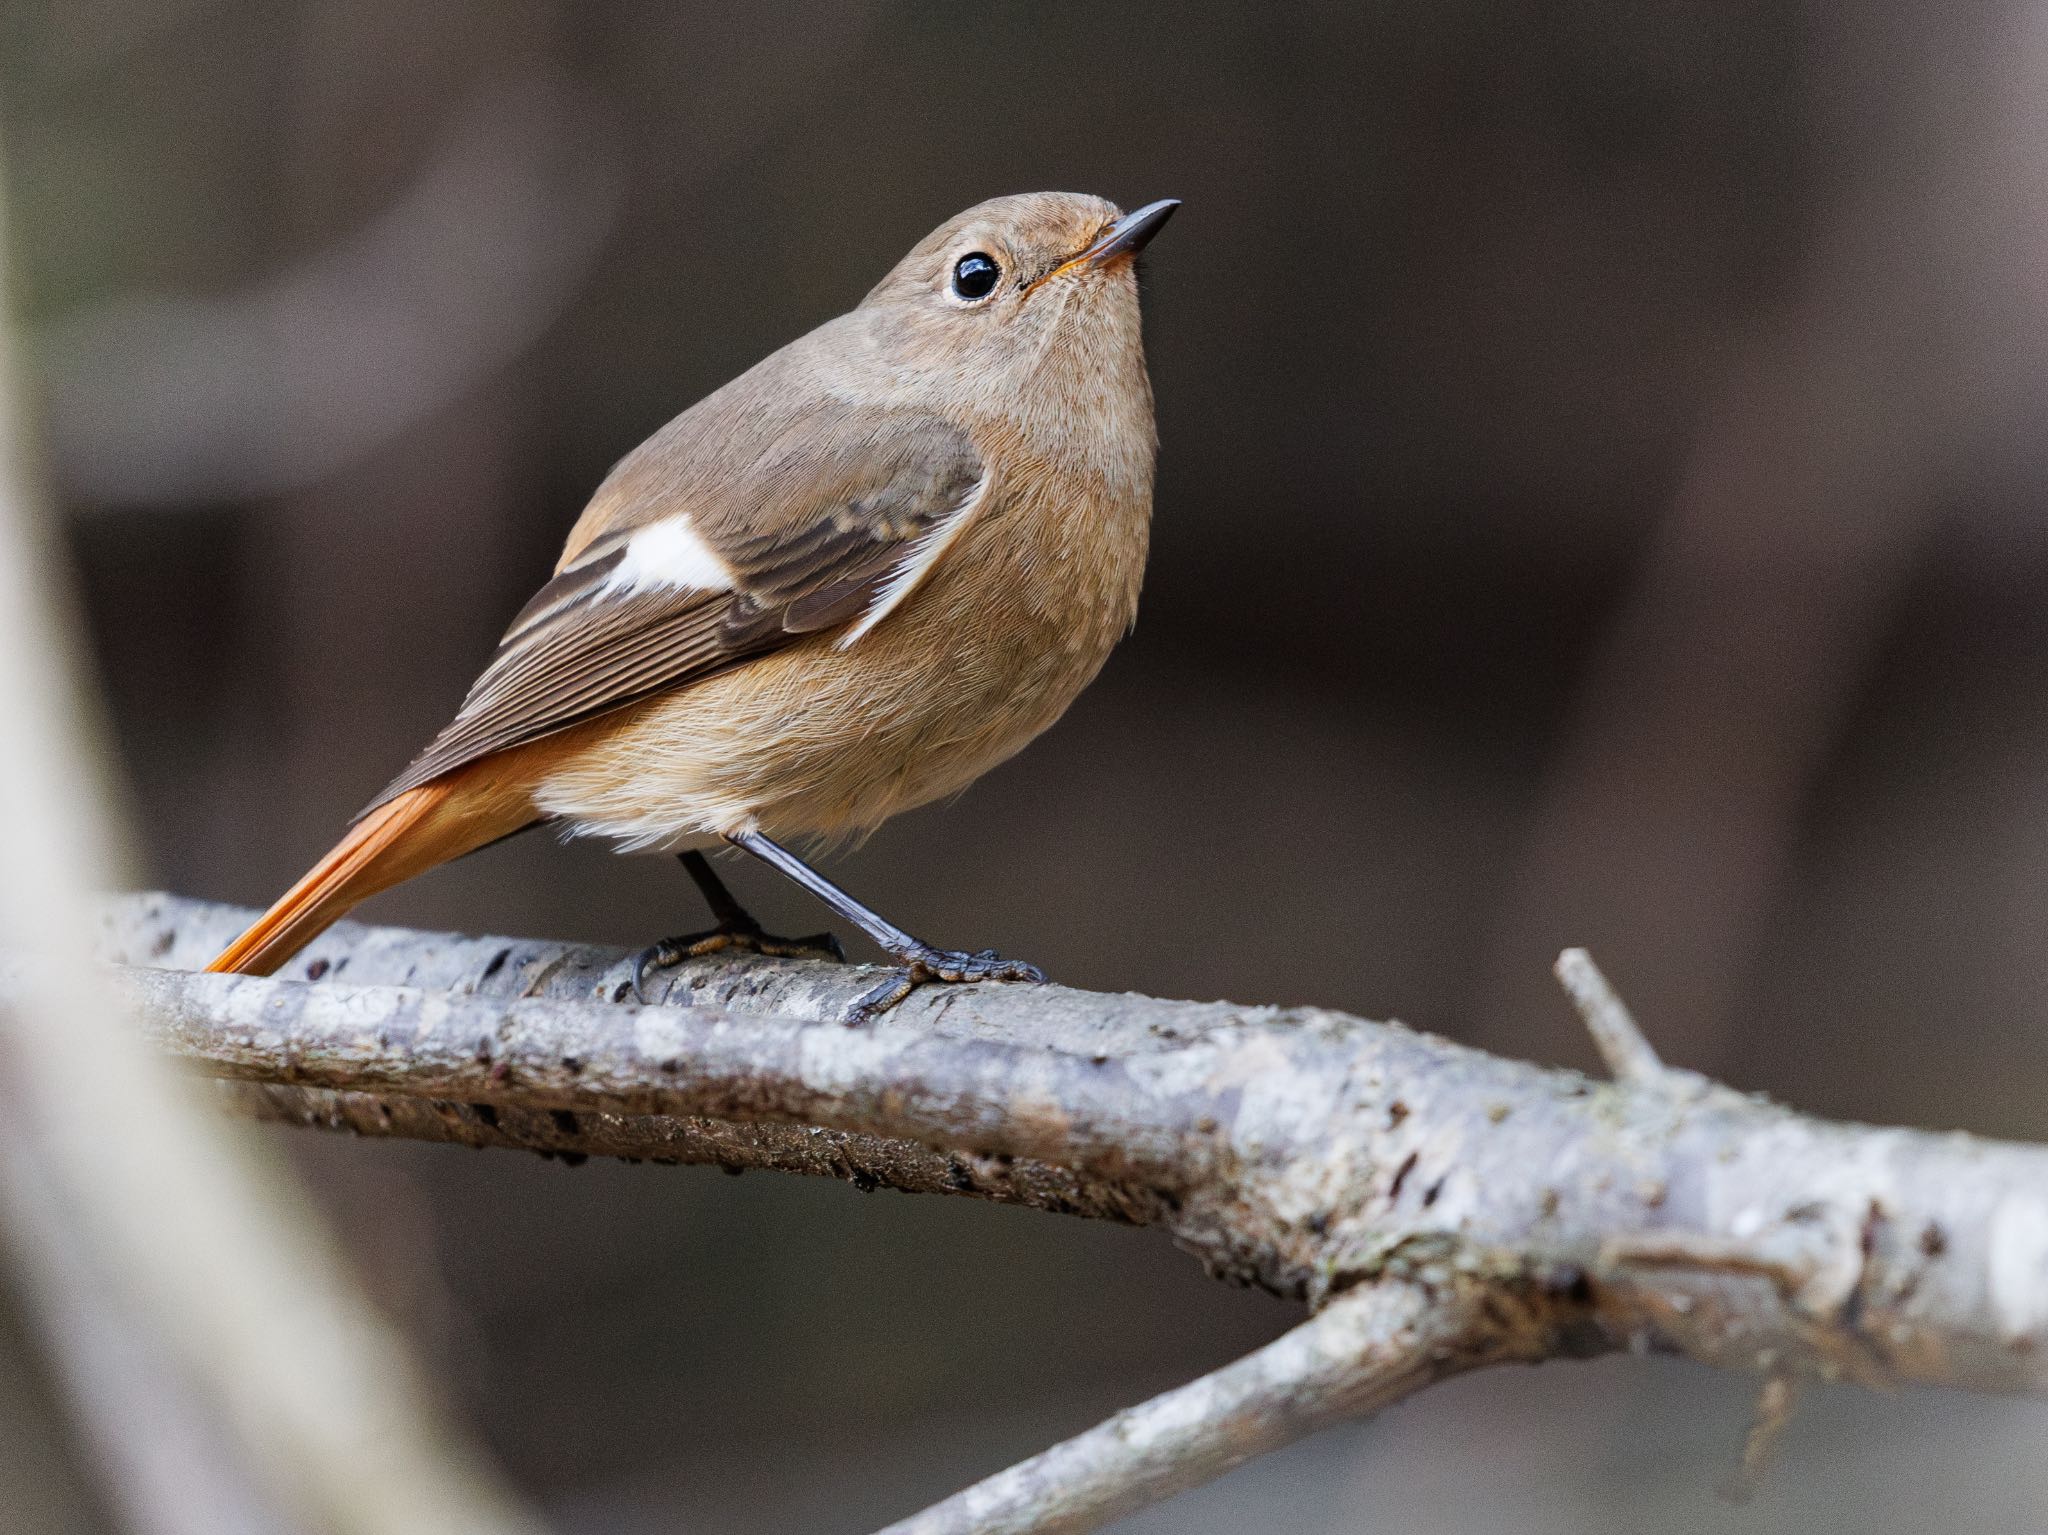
(653, 954)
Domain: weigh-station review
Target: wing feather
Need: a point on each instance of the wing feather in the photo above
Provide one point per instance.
(840, 517)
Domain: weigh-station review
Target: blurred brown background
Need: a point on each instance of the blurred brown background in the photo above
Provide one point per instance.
(1602, 500)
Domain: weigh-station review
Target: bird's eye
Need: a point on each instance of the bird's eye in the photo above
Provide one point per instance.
(975, 276)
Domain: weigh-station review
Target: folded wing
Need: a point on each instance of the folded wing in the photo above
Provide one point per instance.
(827, 521)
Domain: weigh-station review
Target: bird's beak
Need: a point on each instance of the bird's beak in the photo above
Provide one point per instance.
(1126, 237)
(1129, 234)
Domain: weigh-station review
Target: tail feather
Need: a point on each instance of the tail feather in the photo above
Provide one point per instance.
(402, 837)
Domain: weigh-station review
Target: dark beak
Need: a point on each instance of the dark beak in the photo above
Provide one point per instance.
(1129, 234)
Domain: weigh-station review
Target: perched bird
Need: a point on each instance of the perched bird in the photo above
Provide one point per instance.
(849, 582)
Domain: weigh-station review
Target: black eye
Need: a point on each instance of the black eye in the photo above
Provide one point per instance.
(975, 275)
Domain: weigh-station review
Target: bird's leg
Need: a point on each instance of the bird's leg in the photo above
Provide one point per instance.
(736, 929)
(920, 961)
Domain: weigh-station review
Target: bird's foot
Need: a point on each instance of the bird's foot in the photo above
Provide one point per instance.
(742, 935)
(925, 964)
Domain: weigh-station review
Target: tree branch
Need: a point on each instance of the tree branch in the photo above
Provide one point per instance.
(1498, 1209)
(1629, 1056)
(1366, 1350)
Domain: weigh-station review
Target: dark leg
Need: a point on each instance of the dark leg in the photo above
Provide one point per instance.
(736, 929)
(921, 962)
(732, 917)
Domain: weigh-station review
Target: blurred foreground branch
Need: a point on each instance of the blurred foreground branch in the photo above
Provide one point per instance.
(222, 1372)
(1439, 1207)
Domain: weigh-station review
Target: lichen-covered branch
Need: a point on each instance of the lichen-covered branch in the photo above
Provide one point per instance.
(1303, 1149)
(1320, 1155)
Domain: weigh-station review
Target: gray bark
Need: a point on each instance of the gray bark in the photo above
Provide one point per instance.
(1464, 1208)
(1368, 1348)
(1298, 1147)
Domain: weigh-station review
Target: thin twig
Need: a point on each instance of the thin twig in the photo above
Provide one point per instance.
(1366, 1350)
(1776, 1400)
(1621, 1043)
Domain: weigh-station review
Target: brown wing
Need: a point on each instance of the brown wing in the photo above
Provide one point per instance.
(813, 530)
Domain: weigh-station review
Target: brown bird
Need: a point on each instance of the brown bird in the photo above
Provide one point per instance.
(849, 582)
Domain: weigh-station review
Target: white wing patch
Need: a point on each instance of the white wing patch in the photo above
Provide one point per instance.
(923, 555)
(669, 553)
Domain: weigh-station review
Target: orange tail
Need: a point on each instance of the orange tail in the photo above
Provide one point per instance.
(404, 836)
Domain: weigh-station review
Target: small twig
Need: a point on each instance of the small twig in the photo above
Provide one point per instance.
(1620, 1041)
(1369, 1348)
(1775, 1404)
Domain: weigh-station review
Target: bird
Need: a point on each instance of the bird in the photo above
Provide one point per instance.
(845, 584)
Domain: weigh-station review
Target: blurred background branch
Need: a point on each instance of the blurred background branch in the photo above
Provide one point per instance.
(177, 401)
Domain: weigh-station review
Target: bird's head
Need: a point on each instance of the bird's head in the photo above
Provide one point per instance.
(1020, 291)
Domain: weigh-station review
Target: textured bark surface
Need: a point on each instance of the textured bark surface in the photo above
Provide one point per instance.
(1300, 1149)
